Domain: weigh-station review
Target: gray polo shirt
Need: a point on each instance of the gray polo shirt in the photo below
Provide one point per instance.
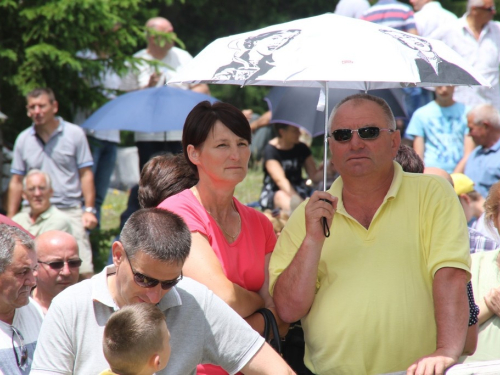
(203, 329)
(61, 157)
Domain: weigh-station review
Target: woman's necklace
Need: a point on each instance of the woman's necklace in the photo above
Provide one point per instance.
(197, 194)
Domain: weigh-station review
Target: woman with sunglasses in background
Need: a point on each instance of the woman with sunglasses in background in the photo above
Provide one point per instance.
(231, 243)
(284, 157)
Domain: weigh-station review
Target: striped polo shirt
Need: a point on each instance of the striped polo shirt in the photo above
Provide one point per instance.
(391, 13)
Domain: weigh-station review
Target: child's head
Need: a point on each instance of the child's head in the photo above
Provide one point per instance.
(136, 340)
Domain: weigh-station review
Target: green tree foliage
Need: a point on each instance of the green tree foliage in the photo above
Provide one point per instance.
(39, 42)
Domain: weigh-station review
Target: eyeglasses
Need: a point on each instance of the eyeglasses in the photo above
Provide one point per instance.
(368, 132)
(23, 357)
(58, 264)
(490, 9)
(148, 282)
(41, 189)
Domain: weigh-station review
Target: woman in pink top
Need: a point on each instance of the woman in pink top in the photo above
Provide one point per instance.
(231, 243)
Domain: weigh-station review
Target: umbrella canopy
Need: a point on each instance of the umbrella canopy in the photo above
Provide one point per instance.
(329, 51)
(298, 105)
(149, 110)
(342, 51)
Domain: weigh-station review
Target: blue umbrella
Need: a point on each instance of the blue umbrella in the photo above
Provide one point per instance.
(150, 110)
(298, 105)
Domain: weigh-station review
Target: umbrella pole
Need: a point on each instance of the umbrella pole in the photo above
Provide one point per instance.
(325, 142)
(326, 230)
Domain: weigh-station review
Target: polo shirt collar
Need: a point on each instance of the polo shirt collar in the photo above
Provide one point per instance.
(493, 148)
(59, 129)
(46, 214)
(338, 185)
(101, 294)
(380, 2)
(465, 25)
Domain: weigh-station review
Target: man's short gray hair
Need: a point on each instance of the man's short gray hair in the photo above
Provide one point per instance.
(159, 233)
(358, 98)
(486, 113)
(474, 3)
(48, 181)
(9, 235)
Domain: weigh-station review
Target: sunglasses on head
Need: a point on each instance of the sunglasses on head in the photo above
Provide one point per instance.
(148, 282)
(21, 358)
(58, 264)
(368, 132)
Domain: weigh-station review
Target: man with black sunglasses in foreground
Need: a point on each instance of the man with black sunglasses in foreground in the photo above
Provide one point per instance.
(147, 268)
(386, 291)
(19, 319)
(58, 266)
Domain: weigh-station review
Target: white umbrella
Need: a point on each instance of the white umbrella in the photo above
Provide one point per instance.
(329, 51)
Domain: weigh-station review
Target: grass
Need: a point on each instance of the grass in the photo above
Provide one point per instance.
(116, 202)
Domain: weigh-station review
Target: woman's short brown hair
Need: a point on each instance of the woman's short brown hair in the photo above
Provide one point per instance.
(202, 118)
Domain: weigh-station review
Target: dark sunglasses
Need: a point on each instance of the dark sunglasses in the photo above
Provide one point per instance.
(58, 264)
(23, 357)
(368, 132)
(148, 282)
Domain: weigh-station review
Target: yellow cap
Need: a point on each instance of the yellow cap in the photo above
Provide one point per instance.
(462, 183)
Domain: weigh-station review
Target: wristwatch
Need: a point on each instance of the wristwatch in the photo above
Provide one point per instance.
(91, 210)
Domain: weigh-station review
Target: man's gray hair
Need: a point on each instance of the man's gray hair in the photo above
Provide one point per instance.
(486, 113)
(48, 181)
(159, 233)
(9, 235)
(390, 120)
(474, 3)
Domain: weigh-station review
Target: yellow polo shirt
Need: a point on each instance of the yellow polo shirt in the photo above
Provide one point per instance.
(373, 312)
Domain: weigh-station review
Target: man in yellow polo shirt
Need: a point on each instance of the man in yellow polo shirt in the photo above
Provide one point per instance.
(386, 291)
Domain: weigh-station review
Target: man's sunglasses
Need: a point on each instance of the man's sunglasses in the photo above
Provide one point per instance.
(368, 132)
(21, 358)
(58, 264)
(148, 282)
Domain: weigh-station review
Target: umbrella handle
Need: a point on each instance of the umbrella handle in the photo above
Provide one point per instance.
(326, 230)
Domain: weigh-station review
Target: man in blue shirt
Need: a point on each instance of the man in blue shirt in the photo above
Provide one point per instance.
(483, 165)
(440, 132)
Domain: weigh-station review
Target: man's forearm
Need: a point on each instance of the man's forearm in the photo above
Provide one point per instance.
(14, 195)
(88, 188)
(295, 288)
(267, 362)
(451, 309)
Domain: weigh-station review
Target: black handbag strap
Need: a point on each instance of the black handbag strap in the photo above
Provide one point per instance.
(271, 326)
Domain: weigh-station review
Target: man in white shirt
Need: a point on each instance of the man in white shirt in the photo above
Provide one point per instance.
(58, 266)
(429, 15)
(477, 39)
(19, 320)
(171, 59)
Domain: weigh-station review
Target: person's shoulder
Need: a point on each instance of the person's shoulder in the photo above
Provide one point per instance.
(182, 199)
(302, 146)
(29, 311)
(26, 133)
(75, 295)
(142, 54)
(251, 213)
(191, 291)
(71, 128)
(427, 182)
(180, 52)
